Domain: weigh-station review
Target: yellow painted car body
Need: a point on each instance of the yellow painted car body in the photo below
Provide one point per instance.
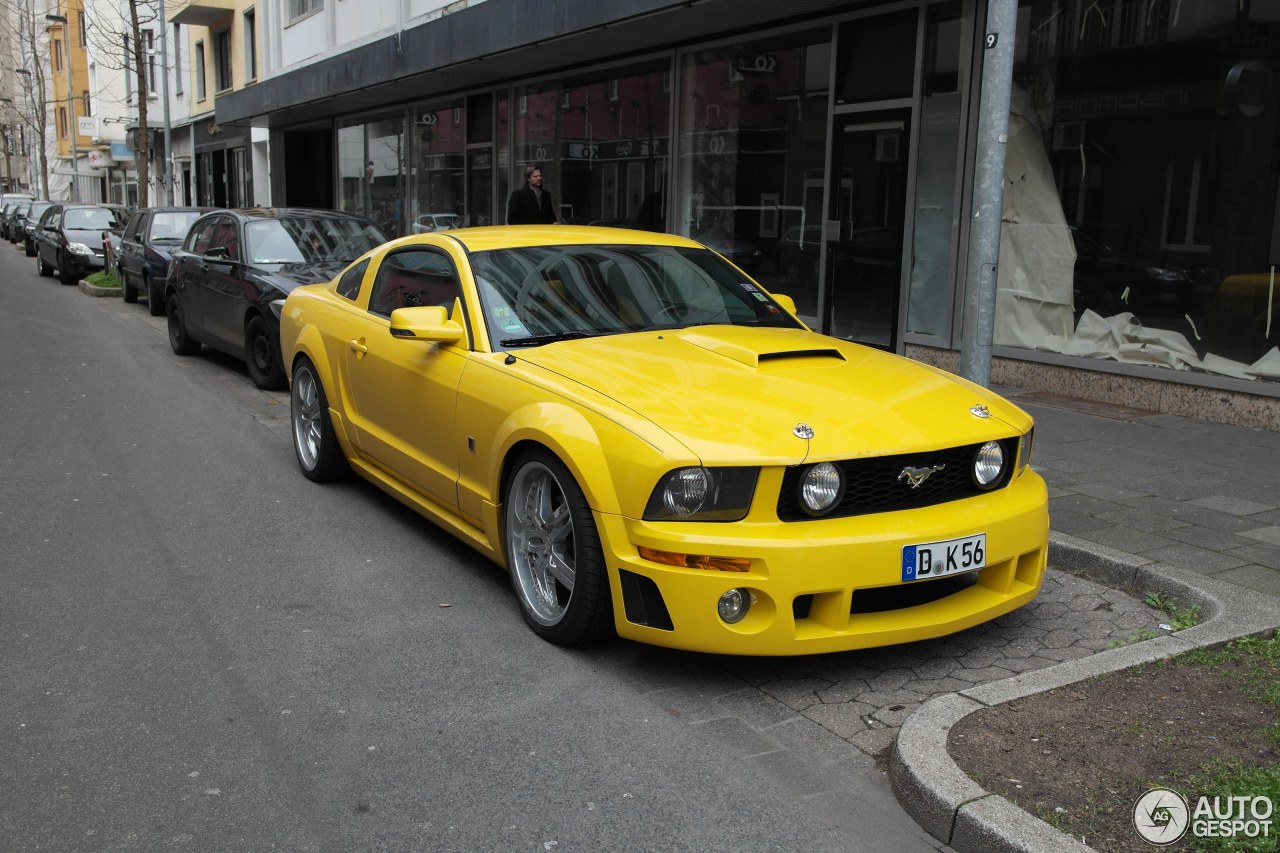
(428, 403)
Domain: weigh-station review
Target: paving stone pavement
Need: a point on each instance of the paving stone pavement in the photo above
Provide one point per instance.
(856, 701)
(1179, 491)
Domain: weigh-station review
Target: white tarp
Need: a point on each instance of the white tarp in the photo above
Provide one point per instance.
(1037, 257)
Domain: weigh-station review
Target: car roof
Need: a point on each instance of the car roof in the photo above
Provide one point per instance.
(489, 237)
(289, 213)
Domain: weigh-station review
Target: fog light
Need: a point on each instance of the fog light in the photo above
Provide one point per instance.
(733, 605)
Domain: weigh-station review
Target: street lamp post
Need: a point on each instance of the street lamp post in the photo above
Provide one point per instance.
(71, 105)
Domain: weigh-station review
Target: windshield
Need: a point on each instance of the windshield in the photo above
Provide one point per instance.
(173, 224)
(89, 219)
(299, 240)
(535, 295)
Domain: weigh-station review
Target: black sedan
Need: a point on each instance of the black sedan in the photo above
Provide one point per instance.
(28, 235)
(69, 237)
(228, 281)
(147, 247)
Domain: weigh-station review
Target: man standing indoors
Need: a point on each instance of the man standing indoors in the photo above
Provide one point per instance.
(531, 204)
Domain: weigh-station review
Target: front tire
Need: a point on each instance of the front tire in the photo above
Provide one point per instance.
(42, 269)
(182, 343)
(66, 274)
(128, 292)
(553, 552)
(262, 356)
(155, 296)
(314, 441)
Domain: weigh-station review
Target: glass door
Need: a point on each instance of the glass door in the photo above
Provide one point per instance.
(865, 225)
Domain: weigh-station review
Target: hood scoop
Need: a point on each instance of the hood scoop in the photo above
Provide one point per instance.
(754, 356)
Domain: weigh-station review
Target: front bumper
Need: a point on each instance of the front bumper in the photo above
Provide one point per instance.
(826, 586)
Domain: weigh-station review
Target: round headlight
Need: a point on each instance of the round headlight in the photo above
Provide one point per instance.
(820, 488)
(988, 464)
(686, 491)
(733, 605)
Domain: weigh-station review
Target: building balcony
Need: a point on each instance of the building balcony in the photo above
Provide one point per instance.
(200, 13)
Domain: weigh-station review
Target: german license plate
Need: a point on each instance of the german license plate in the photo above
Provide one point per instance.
(949, 557)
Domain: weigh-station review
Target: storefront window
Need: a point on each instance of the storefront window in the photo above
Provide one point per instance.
(937, 165)
(1157, 130)
(602, 142)
(437, 183)
(754, 124)
(371, 160)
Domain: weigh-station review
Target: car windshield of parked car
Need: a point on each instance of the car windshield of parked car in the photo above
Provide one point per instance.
(300, 240)
(538, 295)
(173, 224)
(89, 219)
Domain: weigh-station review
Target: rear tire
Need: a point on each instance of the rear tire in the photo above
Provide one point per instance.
(182, 343)
(314, 441)
(553, 552)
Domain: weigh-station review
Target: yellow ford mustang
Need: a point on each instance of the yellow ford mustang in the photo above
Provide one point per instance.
(652, 444)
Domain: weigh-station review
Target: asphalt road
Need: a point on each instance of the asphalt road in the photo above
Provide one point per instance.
(201, 650)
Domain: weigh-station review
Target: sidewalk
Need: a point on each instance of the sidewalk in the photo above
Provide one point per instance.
(1189, 493)
(1138, 500)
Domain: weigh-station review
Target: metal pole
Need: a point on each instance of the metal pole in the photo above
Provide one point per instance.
(988, 191)
(164, 69)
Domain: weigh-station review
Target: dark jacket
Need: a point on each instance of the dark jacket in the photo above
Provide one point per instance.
(523, 209)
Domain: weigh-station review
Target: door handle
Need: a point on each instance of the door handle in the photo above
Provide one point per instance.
(358, 348)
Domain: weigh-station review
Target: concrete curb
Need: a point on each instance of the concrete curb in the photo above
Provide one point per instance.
(956, 810)
(94, 290)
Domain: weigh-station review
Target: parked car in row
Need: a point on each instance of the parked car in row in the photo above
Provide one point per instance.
(28, 237)
(8, 201)
(69, 237)
(428, 222)
(228, 280)
(14, 221)
(146, 249)
(653, 445)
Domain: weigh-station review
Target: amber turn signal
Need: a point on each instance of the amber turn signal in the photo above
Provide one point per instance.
(696, 561)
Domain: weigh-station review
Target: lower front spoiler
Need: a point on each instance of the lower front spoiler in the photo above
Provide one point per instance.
(818, 596)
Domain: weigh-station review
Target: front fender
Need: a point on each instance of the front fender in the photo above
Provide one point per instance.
(297, 341)
(615, 468)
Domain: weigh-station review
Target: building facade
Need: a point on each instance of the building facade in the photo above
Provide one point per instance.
(827, 147)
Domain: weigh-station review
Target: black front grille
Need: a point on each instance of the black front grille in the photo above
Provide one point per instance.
(877, 484)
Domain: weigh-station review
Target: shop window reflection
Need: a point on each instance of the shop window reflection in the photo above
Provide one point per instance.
(1164, 168)
(753, 142)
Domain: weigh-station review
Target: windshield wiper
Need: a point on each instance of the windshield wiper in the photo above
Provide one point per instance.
(550, 338)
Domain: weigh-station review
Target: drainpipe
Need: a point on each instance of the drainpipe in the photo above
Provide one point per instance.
(988, 191)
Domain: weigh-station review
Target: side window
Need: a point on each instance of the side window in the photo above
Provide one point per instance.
(228, 239)
(135, 225)
(349, 284)
(202, 236)
(412, 278)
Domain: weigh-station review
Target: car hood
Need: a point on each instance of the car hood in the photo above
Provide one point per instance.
(88, 236)
(286, 277)
(734, 393)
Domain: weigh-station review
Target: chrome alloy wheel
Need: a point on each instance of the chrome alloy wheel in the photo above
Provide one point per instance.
(540, 543)
(305, 410)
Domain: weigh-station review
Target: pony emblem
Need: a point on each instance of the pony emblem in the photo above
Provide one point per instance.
(916, 476)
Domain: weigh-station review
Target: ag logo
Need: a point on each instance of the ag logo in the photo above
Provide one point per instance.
(1161, 816)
